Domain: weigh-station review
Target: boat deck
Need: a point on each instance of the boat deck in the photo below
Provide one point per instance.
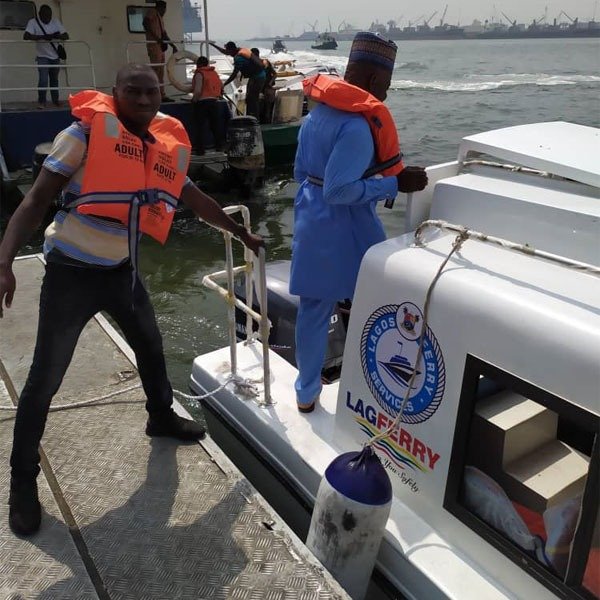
(126, 516)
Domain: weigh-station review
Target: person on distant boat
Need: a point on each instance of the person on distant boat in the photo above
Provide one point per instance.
(249, 66)
(157, 42)
(348, 159)
(43, 29)
(206, 90)
(266, 107)
(120, 170)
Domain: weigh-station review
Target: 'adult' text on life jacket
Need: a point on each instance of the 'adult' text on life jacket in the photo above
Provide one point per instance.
(342, 95)
(122, 172)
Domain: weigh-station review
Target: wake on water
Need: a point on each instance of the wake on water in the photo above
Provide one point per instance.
(494, 82)
(305, 59)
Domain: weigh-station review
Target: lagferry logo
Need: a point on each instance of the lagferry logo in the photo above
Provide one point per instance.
(388, 351)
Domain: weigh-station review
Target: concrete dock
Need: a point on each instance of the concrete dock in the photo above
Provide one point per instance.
(124, 515)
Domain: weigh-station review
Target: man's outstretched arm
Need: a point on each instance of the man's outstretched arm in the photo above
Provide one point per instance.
(25, 220)
(208, 210)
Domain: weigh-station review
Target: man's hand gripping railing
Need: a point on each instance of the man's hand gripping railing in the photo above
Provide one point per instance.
(244, 386)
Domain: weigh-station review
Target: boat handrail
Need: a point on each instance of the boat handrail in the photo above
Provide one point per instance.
(228, 294)
(203, 48)
(62, 65)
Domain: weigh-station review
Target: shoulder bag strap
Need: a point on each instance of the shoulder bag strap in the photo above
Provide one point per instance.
(51, 43)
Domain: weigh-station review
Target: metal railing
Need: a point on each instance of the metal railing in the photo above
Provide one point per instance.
(228, 294)
(182, 43)
(61, 65)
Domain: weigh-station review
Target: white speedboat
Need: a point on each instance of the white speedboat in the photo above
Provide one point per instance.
(495, 465)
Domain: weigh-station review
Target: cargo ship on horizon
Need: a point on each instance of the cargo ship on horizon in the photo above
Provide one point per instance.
(488, 29)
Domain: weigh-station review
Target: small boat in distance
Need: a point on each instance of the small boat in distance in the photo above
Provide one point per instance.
(324, 41)
(278, 46)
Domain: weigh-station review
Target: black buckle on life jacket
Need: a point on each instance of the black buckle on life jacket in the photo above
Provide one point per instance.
(149, 196)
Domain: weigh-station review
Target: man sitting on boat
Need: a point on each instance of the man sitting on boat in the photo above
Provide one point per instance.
(120, 170)
(249, 66)
(348, 159)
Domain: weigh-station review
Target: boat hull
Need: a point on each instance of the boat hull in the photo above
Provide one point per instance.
(280, 141)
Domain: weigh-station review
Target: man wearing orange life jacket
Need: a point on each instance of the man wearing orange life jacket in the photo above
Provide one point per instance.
(348, 159)
(120, 170)
(250, 67)
(206, 90)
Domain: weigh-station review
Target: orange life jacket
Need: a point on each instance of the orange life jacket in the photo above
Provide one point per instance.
(211, 82)
(342, 95)
(138, 184)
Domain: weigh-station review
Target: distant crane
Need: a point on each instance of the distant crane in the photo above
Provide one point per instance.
(574, 21)
(512, 23)
(542, 19)
(313, 26)
(415, 21)
(443, 16)
(426, 21)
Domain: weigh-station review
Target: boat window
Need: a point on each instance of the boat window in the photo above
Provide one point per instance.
(525, 473)
(135, 18)
(15, 15)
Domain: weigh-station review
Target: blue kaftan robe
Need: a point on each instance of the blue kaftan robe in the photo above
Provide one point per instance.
(334, 224)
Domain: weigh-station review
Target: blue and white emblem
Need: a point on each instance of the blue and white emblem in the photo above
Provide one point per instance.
(388, 351)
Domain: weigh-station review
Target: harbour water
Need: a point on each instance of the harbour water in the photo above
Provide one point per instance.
(441, 91)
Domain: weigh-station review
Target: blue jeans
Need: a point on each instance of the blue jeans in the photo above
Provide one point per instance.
(69, 298)
(47, 71)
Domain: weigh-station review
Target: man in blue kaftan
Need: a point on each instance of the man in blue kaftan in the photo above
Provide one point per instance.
(335, 208)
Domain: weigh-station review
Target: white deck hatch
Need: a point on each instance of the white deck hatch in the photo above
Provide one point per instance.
(565, 149)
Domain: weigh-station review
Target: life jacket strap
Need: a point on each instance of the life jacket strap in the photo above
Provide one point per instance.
(136, 200)
(391, 162)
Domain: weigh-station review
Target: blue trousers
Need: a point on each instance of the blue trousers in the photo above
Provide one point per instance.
(312, 328)
(48, 69)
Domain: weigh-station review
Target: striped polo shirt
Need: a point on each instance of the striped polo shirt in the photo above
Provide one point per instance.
(74, 238)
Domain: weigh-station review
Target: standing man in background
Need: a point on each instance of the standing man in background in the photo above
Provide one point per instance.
(206, 90)
(266, 110)
(251, 67)
(43, 29)
(348, 159)
(157, 42)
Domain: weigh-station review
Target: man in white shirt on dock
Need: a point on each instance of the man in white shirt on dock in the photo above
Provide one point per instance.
(43, 29)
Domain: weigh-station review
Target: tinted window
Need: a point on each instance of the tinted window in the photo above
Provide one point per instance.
(15, 15)
(522, 475)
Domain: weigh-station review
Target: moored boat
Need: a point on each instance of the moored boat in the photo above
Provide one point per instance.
(324, 41)
(278, 46)
(495, 458)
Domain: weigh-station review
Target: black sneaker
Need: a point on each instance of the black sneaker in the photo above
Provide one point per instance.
(25, 512)
(170, 424)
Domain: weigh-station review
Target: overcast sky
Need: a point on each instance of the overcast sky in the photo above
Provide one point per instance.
(234, 19)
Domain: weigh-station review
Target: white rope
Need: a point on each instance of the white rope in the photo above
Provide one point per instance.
(246, 387)
(86, 402)
(458, 242)
(463, 235)
(490, 239)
